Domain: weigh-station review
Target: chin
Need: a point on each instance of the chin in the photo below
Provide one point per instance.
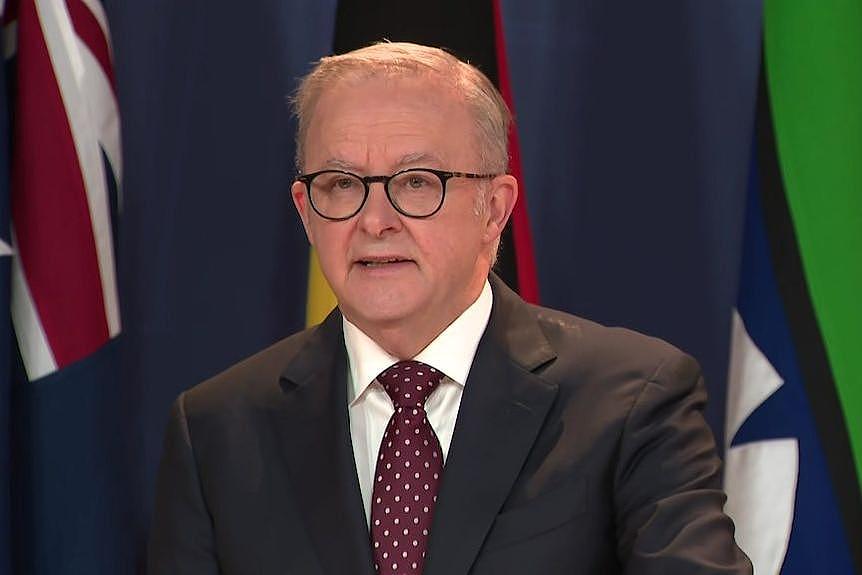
(381, 311)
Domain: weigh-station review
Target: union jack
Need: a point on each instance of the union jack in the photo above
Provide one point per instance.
(66, 169)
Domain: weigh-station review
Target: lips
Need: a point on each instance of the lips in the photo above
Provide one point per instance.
(381, 261)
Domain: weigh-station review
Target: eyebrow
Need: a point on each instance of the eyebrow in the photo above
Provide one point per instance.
(413, 158)
(419, 158)
(338, 164)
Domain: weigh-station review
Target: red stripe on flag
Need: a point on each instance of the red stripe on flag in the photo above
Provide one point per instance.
(91, 34)
(49, 206)
(528, 283)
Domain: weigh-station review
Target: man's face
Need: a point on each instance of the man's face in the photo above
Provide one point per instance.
(388, 270)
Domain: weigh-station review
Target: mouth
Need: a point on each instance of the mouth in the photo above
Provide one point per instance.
(382, 262)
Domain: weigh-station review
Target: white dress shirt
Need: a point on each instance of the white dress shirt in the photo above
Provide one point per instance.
(370, 407)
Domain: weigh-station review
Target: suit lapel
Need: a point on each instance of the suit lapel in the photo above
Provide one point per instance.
(502, 410)
(314, 431)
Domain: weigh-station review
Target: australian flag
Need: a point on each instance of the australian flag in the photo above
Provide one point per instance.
(65, 506)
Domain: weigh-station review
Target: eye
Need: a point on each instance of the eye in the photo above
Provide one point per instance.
(343, 183)
(417, 181)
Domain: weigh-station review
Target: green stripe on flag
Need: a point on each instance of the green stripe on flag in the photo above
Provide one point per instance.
(813, 52)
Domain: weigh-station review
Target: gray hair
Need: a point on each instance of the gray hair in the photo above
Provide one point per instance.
(397, 59)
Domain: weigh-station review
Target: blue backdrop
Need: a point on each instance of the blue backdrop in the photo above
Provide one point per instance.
(635, 121)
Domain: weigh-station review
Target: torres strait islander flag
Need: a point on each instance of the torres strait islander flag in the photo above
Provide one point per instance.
(794, 404)
(473, 31)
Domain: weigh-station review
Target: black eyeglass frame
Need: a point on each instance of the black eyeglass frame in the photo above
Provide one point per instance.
(443, 175)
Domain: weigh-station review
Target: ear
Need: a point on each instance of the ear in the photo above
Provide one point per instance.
(299, 193)
(500, 203)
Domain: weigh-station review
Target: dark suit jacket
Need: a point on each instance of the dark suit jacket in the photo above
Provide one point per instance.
(577, 449)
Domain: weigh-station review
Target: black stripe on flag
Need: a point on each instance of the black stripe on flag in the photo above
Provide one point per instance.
(805, 331)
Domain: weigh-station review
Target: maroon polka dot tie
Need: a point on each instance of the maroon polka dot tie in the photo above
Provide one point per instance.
(409, 467)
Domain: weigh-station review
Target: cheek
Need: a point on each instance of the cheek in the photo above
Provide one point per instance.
(331, 244)
(450, 253)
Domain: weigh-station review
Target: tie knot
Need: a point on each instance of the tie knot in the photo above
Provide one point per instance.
(409, 383)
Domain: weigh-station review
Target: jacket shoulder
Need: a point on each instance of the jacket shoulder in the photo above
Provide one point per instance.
(251, 381)
(589, 348)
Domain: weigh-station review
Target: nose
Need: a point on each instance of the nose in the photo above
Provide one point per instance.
(378, 217)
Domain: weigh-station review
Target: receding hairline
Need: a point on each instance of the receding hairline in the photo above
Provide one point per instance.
(406, 60)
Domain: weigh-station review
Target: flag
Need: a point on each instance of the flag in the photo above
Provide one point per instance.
(319, 299)
(65, 169)
(66, 159)
(5, 381)
(794, 409)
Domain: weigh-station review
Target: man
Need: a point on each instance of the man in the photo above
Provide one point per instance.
(435, 423)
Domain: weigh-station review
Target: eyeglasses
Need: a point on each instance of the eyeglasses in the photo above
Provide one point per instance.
(417, 193)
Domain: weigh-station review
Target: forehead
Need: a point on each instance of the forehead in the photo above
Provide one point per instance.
(377, 121)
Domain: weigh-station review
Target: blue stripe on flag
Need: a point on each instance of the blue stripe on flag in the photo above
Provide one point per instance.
(817, 542)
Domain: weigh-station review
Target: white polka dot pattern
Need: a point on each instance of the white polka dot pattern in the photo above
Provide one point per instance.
(409, 467)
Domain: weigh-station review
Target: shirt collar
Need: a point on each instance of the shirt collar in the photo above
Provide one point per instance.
(451, 352)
